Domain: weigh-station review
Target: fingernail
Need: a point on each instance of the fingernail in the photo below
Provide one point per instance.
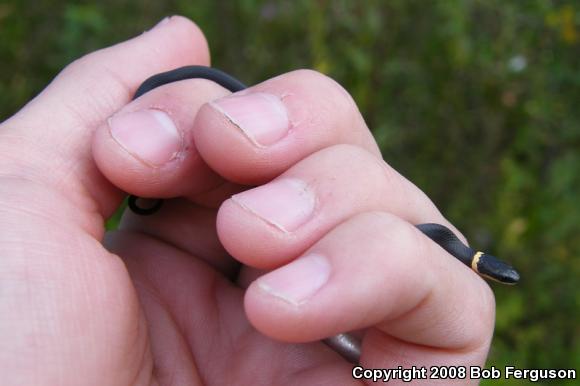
(261, 117)
(149, 135)
(298, 281)
(286, 203)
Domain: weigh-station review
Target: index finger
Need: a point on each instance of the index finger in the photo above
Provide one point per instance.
(254, 135)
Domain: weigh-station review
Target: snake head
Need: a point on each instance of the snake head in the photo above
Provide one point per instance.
(493, 268)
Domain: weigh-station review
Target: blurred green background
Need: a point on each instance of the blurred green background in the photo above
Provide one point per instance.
(477, 102)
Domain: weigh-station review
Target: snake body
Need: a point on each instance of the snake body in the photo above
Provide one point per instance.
(485, 265)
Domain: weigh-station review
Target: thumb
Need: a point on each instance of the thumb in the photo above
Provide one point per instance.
(68, 312)
(50, 138)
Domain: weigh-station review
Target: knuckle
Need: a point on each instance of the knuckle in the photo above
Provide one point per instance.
(373, 168)
(86, 67)
(355, 157)
(411, 240)
(380, 222)
(335, 94)
(317, 78)
(348, 152)
(188, 26)
(356, 165)
(333, 109)
(191, 33)
(469, 323)
(79, 65)
(395, 233)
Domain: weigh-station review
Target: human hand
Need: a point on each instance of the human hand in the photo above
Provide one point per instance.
(164, 302)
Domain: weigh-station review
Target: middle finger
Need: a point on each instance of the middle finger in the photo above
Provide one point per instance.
(269, 225)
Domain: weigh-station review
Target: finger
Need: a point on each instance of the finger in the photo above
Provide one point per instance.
(147, 147)
(54, 130)
(254, 135)
(269, 225)
(375, 270)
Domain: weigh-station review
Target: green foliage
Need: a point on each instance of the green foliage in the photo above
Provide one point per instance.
(475, 101)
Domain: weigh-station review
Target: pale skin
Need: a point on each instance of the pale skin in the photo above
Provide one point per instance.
(317, 239)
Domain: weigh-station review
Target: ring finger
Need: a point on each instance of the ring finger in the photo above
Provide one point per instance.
(376, 270)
